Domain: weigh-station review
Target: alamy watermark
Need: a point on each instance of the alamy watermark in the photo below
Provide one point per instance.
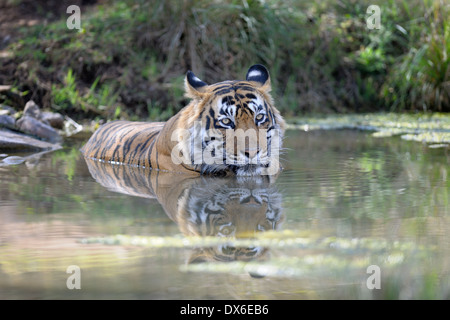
(237, 147)
(74, 20)
(374, 20)
(74, 280)
(374, 280)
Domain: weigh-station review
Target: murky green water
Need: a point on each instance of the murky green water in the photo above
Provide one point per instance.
(350, 213)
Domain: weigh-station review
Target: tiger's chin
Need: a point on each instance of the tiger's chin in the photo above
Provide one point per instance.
(245, 170)
(250, 170)
(239, 166)
(246, 167)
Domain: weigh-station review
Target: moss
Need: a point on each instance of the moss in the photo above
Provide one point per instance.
(279, 239)
(429, 128)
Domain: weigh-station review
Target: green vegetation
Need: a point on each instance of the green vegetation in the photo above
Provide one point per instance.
(272, 239)
(431, 128)
(130, 57)
(322, 260)
(95, 100)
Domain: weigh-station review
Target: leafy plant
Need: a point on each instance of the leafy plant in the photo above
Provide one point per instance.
(95, 99)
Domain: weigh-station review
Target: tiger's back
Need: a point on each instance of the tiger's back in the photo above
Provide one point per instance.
(125, 142)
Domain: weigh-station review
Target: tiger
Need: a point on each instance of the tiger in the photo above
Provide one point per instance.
(227, 128)
(234, 208)
(204, 206)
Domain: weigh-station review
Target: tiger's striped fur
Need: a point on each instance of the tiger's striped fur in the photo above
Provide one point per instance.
(228, 105)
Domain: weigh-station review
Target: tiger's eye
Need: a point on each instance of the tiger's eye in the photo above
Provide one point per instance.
(226, 121)
(260, 116)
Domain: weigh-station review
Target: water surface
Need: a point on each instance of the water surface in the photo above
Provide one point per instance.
(345, 201)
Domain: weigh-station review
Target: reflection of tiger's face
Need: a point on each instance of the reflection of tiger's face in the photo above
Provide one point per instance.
(229, 211)
(204, 206)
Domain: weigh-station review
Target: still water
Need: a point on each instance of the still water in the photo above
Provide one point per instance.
(351, 217)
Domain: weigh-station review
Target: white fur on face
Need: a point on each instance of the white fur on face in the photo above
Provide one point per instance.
(229, 110)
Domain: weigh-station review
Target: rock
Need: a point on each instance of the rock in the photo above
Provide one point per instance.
(6, 110)
(5, 88)
(13, 160)
(32, 109)
(7, 121)
(31, 160)
(55, 120)
(52, 119)
(36, 128)
(13, 141)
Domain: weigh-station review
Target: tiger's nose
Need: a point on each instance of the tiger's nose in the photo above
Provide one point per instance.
(251, 153)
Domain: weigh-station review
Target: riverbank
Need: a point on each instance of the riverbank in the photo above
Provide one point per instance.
(129, 58)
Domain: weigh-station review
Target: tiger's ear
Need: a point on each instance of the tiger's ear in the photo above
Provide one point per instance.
(259, 75)
(195, 88)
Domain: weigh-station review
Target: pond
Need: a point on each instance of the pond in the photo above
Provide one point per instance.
(352, 216)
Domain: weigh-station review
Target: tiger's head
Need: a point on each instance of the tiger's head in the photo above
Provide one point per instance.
(229, 209)
(233, 126)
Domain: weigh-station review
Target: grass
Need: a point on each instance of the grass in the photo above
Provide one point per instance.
(421, 80)
(94, 100)
(130, 57)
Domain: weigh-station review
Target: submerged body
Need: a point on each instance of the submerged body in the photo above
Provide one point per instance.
(197, 139)
(125, 142)
(240, 207)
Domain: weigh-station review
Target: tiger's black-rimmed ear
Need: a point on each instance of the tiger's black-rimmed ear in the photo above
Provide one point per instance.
(260, 76)
(194, 86)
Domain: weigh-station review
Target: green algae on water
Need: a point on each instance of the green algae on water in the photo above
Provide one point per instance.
(428, 128)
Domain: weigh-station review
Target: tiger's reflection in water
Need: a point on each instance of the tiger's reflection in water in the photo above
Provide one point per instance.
(203, 206)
